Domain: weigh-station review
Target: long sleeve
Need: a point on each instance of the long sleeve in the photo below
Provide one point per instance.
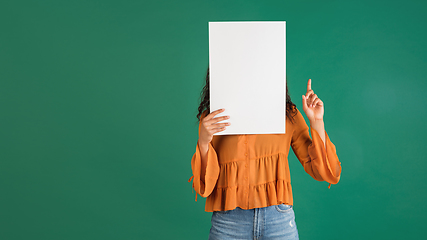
(320, 163)
(204, 188)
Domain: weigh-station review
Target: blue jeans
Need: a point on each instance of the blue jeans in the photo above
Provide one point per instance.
(273, 222)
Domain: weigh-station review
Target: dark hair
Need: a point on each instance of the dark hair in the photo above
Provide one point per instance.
(291, 108)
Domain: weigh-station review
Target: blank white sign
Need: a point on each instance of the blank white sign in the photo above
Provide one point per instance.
(247, 64)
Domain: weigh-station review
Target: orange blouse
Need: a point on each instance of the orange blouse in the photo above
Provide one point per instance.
(252, 171)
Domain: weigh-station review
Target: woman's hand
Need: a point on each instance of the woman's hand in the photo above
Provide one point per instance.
(210, 126)
(312, 105)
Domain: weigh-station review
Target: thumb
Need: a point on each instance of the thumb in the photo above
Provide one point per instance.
(304, 102)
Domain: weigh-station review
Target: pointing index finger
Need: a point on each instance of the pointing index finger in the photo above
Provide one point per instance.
(309, 85)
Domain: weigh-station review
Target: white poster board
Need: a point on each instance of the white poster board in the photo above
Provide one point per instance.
(247, 67)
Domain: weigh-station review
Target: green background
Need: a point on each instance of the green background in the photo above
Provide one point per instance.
(98, 102)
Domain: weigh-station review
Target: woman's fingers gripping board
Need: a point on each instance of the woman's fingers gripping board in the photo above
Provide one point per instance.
(212, 125)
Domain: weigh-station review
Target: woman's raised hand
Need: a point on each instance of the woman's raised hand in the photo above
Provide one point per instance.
(312, 105)
(210, 126)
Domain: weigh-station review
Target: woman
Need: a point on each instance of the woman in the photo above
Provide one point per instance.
(246, 178)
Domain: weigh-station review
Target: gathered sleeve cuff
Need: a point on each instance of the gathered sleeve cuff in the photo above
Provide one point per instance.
(324, 162)
(204, 186)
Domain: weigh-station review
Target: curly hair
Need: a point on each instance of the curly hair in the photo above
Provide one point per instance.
(291, 108)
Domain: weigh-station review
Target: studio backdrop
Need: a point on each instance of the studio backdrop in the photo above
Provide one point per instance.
(98, 104)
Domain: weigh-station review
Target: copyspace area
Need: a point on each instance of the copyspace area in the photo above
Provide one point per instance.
(247, 71)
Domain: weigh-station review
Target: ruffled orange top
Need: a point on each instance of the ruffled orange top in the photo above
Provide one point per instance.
(252, 171)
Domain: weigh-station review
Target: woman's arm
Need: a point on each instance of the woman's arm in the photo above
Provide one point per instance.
(317, 155)
(208, 127)
(319, 126)
(204, 163)
(313, 108)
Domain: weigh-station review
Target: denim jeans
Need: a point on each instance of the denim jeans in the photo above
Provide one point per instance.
(273, 222)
